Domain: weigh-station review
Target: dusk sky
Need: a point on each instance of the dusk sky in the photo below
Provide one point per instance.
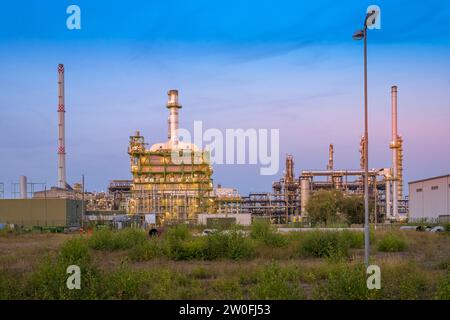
(288, 65)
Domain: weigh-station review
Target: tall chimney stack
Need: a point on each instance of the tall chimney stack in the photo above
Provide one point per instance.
(394, 146)
(173, 106)
(61, 130)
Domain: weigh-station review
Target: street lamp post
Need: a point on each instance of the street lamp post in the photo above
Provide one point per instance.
(358, 35)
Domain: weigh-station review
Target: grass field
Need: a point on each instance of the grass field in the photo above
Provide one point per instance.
(261, 265)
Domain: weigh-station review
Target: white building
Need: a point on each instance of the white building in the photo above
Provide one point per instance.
(430, 198)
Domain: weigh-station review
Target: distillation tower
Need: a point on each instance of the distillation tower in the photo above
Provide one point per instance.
(171, 179)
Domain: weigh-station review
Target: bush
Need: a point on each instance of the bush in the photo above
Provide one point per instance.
(277, 283)
(49, 279)
(392, 242)
(108, 240)
(355, 239)
(146, 250)
(74, 251)
(232, 245)
(324, 244)
(238, 246)
(263, 231)
(344, 282)
(178, 232)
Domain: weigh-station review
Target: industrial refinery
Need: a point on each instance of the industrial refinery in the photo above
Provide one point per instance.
(179, 191)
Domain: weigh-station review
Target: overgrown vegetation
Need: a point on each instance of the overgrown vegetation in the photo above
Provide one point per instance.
(330, 207)
(392, 242)
(276, 283)
(262, 230)
(179, 244)
(324, 245)
(108, 240)
(298, 265)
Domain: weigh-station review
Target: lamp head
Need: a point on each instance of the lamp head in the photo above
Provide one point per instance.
(358, 35)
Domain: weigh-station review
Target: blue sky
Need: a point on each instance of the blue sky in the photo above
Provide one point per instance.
(290, 65)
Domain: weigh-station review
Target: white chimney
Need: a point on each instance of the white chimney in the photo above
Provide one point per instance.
(173, 106)
(61, 130)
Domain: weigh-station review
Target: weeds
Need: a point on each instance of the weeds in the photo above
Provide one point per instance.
(108, 240)
(277, 283)
(264, 232)
(344, 282)
(325, 244)
(392, 242)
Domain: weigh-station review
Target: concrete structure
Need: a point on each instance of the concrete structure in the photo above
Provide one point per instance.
(429, 199)
(41, 212)
(244, 219)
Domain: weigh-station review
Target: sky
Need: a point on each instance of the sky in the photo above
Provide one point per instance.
(287, 65)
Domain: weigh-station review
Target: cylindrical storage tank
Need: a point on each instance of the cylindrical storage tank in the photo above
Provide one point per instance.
(305, 190)
(23, 187)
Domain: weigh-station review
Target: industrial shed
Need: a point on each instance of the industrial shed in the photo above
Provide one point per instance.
(429, 199)
(41, 212)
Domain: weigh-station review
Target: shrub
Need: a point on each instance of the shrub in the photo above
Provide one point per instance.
(146, 250)
(176, 233)
(232, 245)
(238, 246)
(277, 283)
(354, 239)
(48, 280)
(108, 240)
(344, 282)
(392, 242)
(74, 251)
(263, 231)
(324, 244)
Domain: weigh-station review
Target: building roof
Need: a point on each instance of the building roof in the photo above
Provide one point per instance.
(432, 178)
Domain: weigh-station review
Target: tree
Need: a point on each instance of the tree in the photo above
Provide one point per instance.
(332, 206)
(352, 207)
(323, 207)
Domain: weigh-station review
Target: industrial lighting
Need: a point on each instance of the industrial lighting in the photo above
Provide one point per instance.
(358, 35)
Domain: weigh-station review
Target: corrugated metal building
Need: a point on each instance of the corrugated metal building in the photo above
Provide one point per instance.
(41, 212)
(430, 198)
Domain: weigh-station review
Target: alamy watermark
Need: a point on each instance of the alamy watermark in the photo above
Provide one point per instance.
(73, 21)
(74, 280)
(233, 146)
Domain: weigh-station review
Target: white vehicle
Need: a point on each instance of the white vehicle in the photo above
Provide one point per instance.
(438, 229)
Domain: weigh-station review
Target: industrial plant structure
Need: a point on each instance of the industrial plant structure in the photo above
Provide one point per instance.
(289, 198)
(173, 181)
